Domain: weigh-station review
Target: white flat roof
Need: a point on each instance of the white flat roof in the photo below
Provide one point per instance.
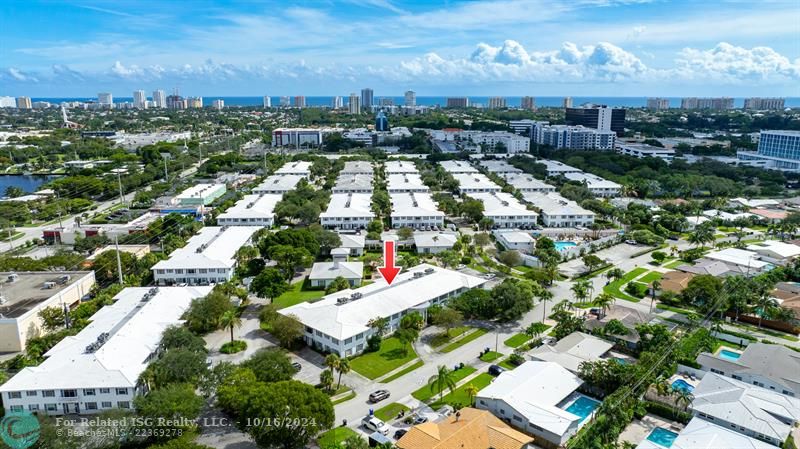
(555, 166)
(475, 181)
(738, 256)
(499, 167)
(342, 321)
(782, 249)
(458, 167)
(400, 167)
(357, 167)
(501, 204)
(534, 389)
(279, 183)
(134, 331)
(573, 350)
(297, 167)
(403, 204)
(434, 239)
(212, 247)
(553, 204)
(527, 182)
(400, 181)
(349, 205)
(353, 181)
(352, 240)
(332, 270)
(512, 236)
(592, 181)
(199, 191)
(701, 434)
(253, 206)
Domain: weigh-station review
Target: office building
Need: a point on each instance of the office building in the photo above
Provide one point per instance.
(351, 211)
(367, 97)
(200, 195)
(251, 210)
(208, 257)
(299, 101)
(719, 104)
(777, 150)
(410, 99)
(354, 104)
(99, 369)
(599, 117)
(528, 103)
(764, 104)
(339, 323)
(505, 210)
(24, 103)
(658, 104)
(567, 103)
(285, 101)
(457, 102)
(159, 99)
(497, 103)
(25, 294)
(218, 104)
(415, 210)
(296, 137)
(105, 99)
(559, 212)
(338, 102)
(267, 101)
(139, 99)
(381, 122)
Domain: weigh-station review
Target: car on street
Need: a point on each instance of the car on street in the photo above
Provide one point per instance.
(297, 366)
(375, 424)
(378, 396)
(496, 370)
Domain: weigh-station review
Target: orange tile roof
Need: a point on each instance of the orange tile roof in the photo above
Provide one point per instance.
(474, 429)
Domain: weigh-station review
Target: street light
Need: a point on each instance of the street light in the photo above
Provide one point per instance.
(166, 156)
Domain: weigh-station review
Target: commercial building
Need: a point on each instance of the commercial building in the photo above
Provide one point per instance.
(324, 273)
(415, 210)
(367, 98)
(278, 184)
(348, 211)
(573, 350)
(642, 150)
(252, 210)
(99, 369)
(208, 257)
(299, 168)
(353, 184)
(658, 104)
(354, 104)
(399, 167)
(501, 168)
(597, 185)
(527, 183)
(505, 210)
(381, 122)
(299, 137)
(497, 103)
(769, 366)
(339, 322)
(559, 212)
(764, 104)
(26, 294)
(457, 167)
(526, 127)
(471, 429)
(405, 183)
(200, 194)
(536, 398)
(457, 102)
(599, 117)
(528, 103)
(24, 103)
(721, 103)
(410, 99)
(777, 150)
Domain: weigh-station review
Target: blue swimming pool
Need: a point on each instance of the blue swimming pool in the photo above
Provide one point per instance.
(682, 385)
(561, 246)
(662, 437)
(583, 407)
(729, 355)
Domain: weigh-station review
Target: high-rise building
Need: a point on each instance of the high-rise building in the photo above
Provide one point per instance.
(299, 101)
(457, 102)
(599, 117)
(7, 102)
(721, 103)
(567, 102)
(355, 104)
(106, 99)
(777, 150)
(381, 122)
(386, 101)
(139, 99)
(284, 102)
(410, 98)
(159, 98)
(175, 101)
(267, 101)
(764, 104)
(658, 104)
(528, 103)
(194, 102)
(366, 98)
(338, 102)
(218, 104)
(24, 103)
(497, 102)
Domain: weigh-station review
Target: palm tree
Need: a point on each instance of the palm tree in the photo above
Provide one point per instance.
(344, 368)
(655, 286)
(442, 380)
(326, 379)
(544, 296)
(229, 320)
(614, 273)
(332, 361)
(662, 386)
(764, 305)
(379, 325)
(471, 391)
(604, 301)
(683, 396)
(563, 306)
(535, 330)
(581, 290)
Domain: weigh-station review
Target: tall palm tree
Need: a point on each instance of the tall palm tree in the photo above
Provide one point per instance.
(563, 305)
(614, 273)
(229, 320)
(683, 396)
(471, 391)
(443, 379)
(326, 379)
(581, 290)
(332, 361)
(544, 296)
(655, 286)
(604, 301)
(764, 305)
(344, 368)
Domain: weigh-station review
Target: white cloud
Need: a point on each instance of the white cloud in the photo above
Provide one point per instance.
(726, 62)
(18, 75)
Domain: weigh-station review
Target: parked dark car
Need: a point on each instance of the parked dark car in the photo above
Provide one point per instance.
(496, 370)
(297, 367)
(399, 434)
(378, 396)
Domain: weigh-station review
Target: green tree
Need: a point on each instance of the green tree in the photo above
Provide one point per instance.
(604, 302)
(204, 314)
(592, 262)
(289, 259)
(344, 368)
(442, 380)
(513, 298)
(510, 258)
(536, 329)
(270, 283)
(326, 379)
(405, 233)
(172, 403)
(230, 320)
(177, 365)
(447, 318)
(270, 365)
(287, 329)
(180, 337)
(338, 284)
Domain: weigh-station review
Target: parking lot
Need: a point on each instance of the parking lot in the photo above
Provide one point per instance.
(616, 255)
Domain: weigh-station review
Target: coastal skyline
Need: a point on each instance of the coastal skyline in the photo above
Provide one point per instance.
(501, 47)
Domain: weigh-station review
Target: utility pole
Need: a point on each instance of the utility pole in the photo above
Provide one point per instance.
(119, 261)
(58, 204)
(121, 196)
(10, 240)
(166, 173)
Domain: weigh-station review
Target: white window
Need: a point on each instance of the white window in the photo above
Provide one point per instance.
(33, 407)
(106, 404)
(49, 393)
(123, 404)
(51, 407)
(105, 390)
(88, 391)
(122, 391)
(31, 393)
(14, 394)
(91, 406)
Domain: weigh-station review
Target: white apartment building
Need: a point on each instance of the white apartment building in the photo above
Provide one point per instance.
(266, 101)
(642, 150)
(457, 167)
(299, 168)
(415, 210)
(405, 183)
(505, 210)
(139, 99)
(353, 184)
(252, 210)
(339, 322)
(597, 185)
(556, 168)
(399, 167)
(527, 183)
(278, 184)
(208, 257)
(559, 212)
(98, 369)
(513, 142)
(410, 99)
(358, 168)
(297, 137)
(501, 168)
(200, 194)
(574, 137)
(159, 99)
(348, 211)
(474, 183)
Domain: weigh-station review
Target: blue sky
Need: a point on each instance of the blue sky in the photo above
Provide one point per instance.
(327, 47)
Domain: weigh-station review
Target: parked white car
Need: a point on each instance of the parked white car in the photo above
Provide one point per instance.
(374, 424)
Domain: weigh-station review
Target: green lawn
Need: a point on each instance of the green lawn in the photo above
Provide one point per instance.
(391, 356)
(403, 372)
(516, 340)
(650, 277)
(477, 333)
(336, 436)
(673, 309)
(613, 288)
(674, 264)
(491, 356)
(443, 339)
(478, 268)
(345, 399)
(507, 365)
(390, 411)
(296, 294)
(459, 396)
(425, 393)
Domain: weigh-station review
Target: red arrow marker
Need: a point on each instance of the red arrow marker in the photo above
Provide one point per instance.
(388, 270)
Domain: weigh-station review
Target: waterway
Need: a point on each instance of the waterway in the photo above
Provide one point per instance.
(28, 183)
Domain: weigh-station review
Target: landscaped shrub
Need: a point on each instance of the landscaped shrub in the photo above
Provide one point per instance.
(232, 347)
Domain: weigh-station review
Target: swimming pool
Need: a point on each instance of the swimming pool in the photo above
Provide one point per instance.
(583, 407)
(682, 385)
(662, 437)
(561, 246)
(729, 355)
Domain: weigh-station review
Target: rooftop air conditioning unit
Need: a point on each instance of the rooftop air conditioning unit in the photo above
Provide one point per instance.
(49, 285)
(429, 270)
(13, 277)
(418, 274)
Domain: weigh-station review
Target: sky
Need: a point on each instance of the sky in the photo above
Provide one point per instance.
(334, 47)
